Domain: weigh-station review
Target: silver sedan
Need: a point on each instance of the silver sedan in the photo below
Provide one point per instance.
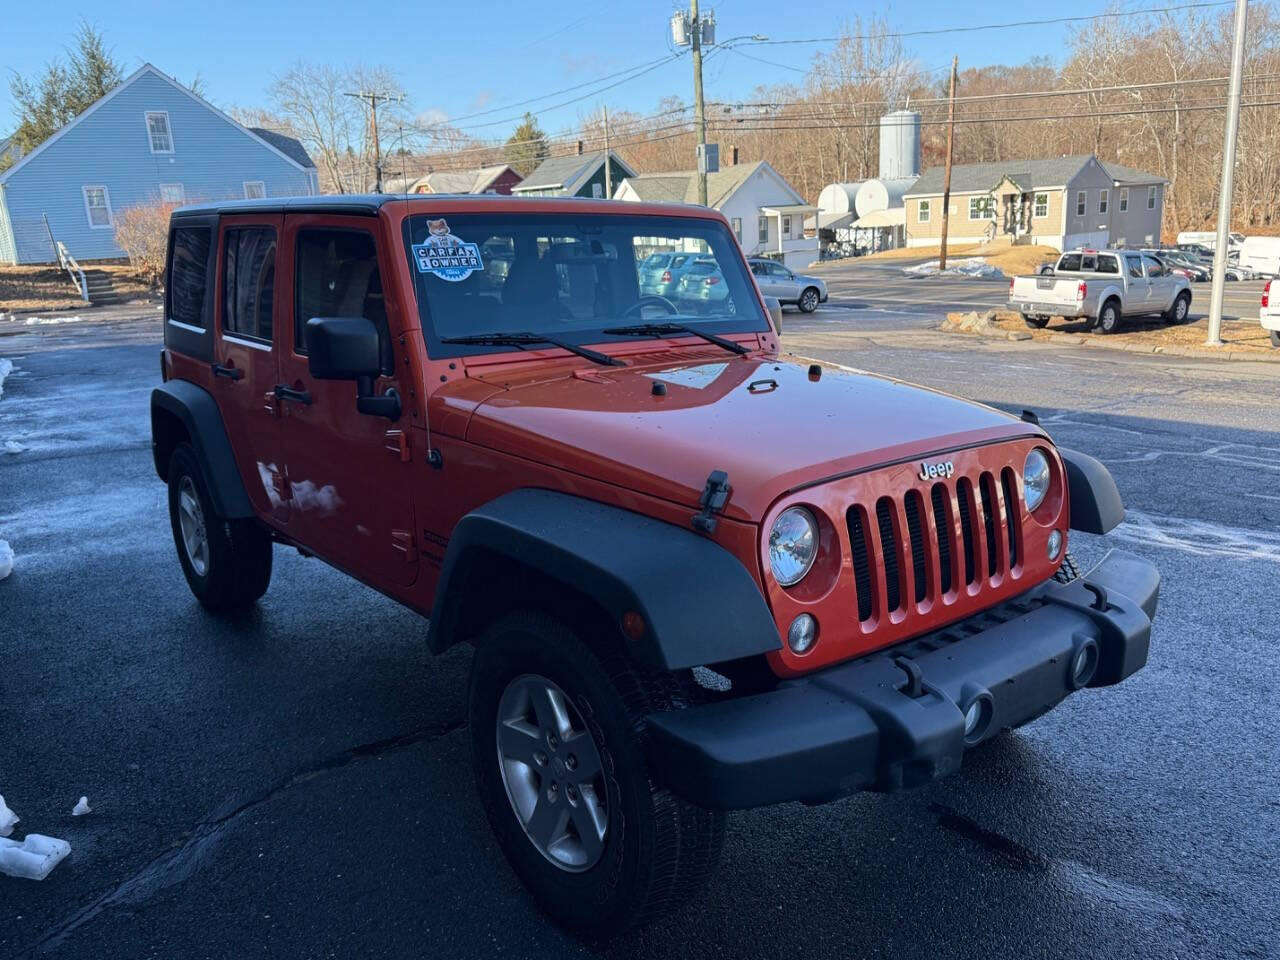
(776, 280)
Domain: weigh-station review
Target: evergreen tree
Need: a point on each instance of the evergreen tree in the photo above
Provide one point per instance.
(526, 147)
(65, 90)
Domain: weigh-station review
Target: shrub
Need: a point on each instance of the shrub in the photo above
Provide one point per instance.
(143, 233)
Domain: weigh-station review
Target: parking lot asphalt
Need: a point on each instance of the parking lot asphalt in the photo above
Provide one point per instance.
(296, 783)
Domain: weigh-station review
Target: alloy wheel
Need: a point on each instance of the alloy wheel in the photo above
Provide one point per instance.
(191, 521)
(552, 773)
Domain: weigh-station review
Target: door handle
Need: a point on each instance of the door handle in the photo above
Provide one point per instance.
(231, 373)
(297, 396)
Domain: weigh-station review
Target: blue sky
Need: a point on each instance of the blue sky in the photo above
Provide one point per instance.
(457, 58)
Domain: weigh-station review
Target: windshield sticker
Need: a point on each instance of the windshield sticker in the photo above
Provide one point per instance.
(448, 257)
(698, 377)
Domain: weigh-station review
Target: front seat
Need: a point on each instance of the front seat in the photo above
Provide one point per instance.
(531, 290)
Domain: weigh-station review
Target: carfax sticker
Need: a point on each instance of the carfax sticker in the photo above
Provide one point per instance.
(448, 257)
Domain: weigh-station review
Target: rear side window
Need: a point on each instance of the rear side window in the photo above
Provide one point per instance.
(1108, 265)
(188, 275)
(337, 276)
(1069, 262)
(249, 275)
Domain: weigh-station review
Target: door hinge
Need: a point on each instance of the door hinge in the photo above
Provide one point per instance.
(403, 541)
(397, 442)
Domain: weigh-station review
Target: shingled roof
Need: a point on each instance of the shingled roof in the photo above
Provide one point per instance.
(291, 147)
(1028, 174)
(681, 186)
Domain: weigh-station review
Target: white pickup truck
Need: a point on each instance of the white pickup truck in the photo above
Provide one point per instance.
(1270, 313)
(1103, 286)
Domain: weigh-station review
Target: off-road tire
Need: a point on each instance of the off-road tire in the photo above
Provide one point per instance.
(1108, 317)
(238, 569)
(1036, 321)
(809, 298)
(1070, 570)
(1178, 310)
(658, 849)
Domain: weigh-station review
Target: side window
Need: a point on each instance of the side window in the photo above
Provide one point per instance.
(337, 276)
(1108, 265)
(1135, 266)
(249, 274)
(1069, 262)
(1154, 268)
(188, 270)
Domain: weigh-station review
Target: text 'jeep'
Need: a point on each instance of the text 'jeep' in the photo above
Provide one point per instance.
(698, 575)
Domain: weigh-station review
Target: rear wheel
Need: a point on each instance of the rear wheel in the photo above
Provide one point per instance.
(557, 744)
(808, 300)
(1275, 338)
(1109, 317)
(227, 563)
(1037, 321)
(1177, 312)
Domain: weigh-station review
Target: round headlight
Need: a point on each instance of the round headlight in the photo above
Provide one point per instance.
(793, 544)
(1035, 478)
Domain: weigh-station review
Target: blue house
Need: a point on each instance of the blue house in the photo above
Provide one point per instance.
(150, 139)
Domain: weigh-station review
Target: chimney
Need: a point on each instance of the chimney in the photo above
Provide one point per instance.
(733, 155)
(579, 148)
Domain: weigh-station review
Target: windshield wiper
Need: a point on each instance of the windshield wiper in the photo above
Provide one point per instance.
(661, 329)
(522, 339)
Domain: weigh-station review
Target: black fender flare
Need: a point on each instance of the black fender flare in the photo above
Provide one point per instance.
(198, 412)
(1095, 501)
(699, 604)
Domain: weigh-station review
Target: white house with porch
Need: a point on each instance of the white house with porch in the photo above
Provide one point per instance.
(766, 213)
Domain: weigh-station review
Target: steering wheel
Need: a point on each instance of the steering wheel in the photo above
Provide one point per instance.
(654, 300)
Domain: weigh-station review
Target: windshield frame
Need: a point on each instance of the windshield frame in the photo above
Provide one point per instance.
(724, 247)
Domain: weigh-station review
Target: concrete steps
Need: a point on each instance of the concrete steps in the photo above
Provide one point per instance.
(101, 290)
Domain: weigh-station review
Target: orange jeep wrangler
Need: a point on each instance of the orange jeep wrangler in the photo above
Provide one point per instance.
(698, 575)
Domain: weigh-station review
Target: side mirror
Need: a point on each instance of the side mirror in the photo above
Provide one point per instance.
(775, 313)
(347, 348)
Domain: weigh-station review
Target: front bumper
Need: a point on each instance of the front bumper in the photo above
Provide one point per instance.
(1051, 309)
(896, 718)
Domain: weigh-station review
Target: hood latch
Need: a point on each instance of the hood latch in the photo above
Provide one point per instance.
(714, 496)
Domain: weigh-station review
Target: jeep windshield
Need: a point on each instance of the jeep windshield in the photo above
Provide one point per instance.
(479, 276)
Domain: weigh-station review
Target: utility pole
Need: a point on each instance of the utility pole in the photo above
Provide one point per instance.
(1214, 338)
(608, 173)
(946, 176)
(373, 98)
(699, 118)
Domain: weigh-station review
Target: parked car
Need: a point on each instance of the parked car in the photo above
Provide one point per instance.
(1209, 238)
(697, 574)
(778, 280)
(660, 272)
(1180, 264)
(701, 286)
(1104, 286)
(1269, 316)
(1261, 255)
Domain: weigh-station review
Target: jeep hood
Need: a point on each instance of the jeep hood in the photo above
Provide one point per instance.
(766, 422)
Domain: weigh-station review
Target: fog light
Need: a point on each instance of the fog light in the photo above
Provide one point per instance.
(972, 716)
(802, 633)
(1084, 665)
(1055, 545)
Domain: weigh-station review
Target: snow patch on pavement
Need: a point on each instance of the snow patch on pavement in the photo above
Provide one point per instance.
(82, 808)
(1199, 537)
(6, 568)
(12, 446)
(7, 819)
(49, 321)
(6, 368)
(972, 267)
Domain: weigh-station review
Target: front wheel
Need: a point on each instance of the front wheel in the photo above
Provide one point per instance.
(557, 746)
(227, 563)
(1177, 312)
(808, 300)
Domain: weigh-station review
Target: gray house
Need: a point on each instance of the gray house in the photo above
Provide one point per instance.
(577, 175)
(1061, 202)
(149, 140)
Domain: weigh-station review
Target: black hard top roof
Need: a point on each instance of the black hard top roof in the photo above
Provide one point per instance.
(371, 203)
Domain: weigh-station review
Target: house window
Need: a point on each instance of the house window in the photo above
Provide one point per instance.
(922, 213)
(737, 228)
(1151, 198)
(1042, 206)
(249, 273)
(1082, 201)
(980, 207)
(786, 226)
(1104, 199)
(172, 193)
(97, 207)
(1124, 199)
(763, 227)
(158, 131)
(254, 189)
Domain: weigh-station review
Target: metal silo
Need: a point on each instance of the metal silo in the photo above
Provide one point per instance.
(900, 145)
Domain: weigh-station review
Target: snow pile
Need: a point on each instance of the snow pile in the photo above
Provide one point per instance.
(33, 858)
(7, 819)
(82, 808)
(46, 321)
(6, 568)
(972, 267)
(6, 368)
(12, 446)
